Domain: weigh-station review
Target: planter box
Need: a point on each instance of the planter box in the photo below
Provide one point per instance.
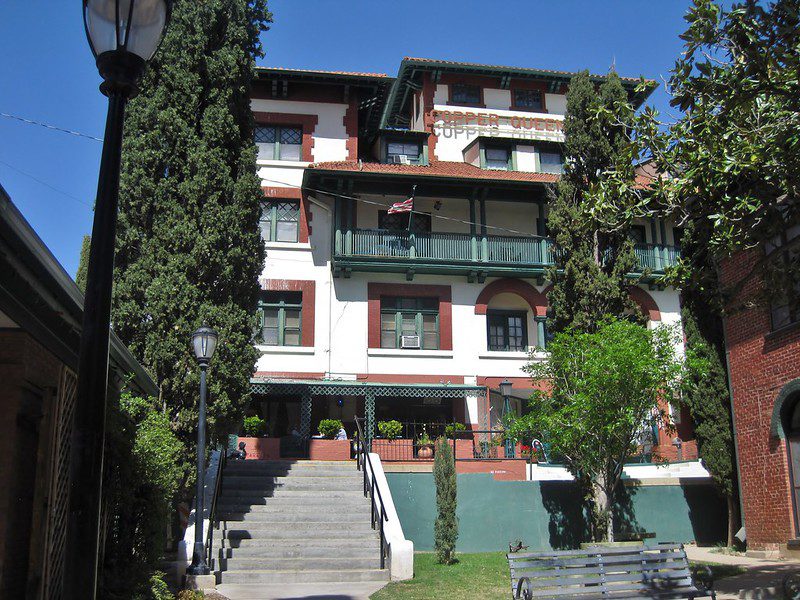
(464, 449)
(394, 450)
(329, 449)
(261, 448)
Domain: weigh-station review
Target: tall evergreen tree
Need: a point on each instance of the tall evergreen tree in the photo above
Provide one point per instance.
(445, 529)
(189, 251)
(83, 263)
(593, 255)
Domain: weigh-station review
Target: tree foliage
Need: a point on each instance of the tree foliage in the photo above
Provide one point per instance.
(189, 251)
(593, 255)
(733, 154)
(445, 529)
(83, 263)
(602, 393)
(142, 478)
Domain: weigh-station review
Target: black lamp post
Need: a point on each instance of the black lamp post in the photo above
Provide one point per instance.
(204, 342)
(505, 390)
(123, 35)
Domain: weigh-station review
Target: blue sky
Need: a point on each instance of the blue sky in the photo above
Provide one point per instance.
(48, 73)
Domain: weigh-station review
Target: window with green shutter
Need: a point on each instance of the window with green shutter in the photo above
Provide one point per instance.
(410, 316)
(280, 220)
(279, 143)
(507, 331)
(280, 318)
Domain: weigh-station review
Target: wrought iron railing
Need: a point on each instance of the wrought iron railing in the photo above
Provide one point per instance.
(371, 490)
(212, 513)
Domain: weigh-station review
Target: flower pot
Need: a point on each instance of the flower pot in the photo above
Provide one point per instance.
(425, 451)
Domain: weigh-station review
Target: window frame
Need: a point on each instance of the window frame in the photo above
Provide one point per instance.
(282, 306)
(516, 106)
(453, 101)
(419, 312)
(420, 160)
(510, 149)
(792, 301)
(273, 219)
(505, 314)
(276, 153)
(549, 149)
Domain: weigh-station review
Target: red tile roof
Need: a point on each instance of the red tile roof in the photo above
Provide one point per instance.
(321, 72)
(437, 168)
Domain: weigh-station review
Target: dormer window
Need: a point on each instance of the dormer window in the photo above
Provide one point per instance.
(462, 93)
(403, 152)
(528, 100)
(279, 142)
(497, 157)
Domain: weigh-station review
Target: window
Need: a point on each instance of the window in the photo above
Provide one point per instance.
(497, 158)
(279, 318)
(783, 279)
(462, 93)
(420, 223)
(677, 236)
(279, 143)
(551, 161)
(280, 220)
(507, 331)
(396, 151)
(528, 99)
(638, 234)
(410, 316)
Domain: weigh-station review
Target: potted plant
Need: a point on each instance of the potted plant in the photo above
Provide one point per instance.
(330, 447)
(254, 426)
(329, 428)
(390, 429)
(454, 430)
(257, 444)
(424, 445)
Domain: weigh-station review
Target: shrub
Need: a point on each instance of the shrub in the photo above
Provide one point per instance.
(453, 429)
(191, 595)
(390, 429)
(329, 428)
(254, 426)
(424, 439)
(445, 530)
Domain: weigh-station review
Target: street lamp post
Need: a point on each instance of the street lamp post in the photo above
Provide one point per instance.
(505, 391)
(123, 36)
(204, 342)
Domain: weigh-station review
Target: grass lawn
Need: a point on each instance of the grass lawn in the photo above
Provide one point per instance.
(475, 576)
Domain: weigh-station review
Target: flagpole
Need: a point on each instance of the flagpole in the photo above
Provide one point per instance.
(411, 214)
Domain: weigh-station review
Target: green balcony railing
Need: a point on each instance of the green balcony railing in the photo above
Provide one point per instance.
(464, 248)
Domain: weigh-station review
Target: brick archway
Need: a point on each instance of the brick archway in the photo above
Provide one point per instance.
(535, 299)
(643, 300)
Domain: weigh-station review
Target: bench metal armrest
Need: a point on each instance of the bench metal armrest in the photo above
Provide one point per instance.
(706, 579)
(527, 593)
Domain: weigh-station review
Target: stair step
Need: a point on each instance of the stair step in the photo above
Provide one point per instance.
(342, 549)
(292, 471)
(288, 576)
(288, 465)
(282, 533)
(291, 495)
(291, 483)
(304, 563)
(288, 515)
(301, 527)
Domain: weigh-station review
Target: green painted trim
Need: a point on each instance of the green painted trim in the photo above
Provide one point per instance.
(781, 408)
(512, 163)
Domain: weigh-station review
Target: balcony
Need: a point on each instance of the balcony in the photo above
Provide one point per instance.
(475, 256)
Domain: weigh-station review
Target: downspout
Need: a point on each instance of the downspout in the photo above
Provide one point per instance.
(330, 282)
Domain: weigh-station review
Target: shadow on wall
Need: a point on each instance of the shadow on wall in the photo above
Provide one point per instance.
(568, 524)
(708, 525)
(626, 527)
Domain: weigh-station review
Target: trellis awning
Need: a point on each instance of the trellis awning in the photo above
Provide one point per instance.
(323, 387)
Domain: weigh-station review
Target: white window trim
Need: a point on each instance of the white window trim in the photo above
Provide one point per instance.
(289, 164)
(264, 349)
(305, 246)
(409, 353)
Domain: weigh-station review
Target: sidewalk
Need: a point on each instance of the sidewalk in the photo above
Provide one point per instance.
(297, 591)
(763, 579)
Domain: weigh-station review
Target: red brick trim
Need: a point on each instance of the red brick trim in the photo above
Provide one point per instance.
(278, 193)
(535, 299)
(309, 301)
(288, 375)
(442, 292)
(350, 122)
(402, 378)
(516, 382)
(307, 122)
(428, 91)
(646, 303)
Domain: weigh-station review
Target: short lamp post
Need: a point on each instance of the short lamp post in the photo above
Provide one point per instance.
(123, 36)
(204, 342)
(505, 390)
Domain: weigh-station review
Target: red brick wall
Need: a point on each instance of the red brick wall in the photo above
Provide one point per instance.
(761, 362)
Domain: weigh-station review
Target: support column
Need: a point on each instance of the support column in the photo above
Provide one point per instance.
(472, 230)
(484, 241)
(369, 413)
(540, 331)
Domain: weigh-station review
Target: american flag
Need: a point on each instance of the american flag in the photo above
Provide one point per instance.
(406, 206)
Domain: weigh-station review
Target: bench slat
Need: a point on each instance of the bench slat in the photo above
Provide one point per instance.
(596, 560)
(600, 550)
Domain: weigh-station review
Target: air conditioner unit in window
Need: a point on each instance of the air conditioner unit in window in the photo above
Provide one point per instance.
(409, 341)
(404, 159)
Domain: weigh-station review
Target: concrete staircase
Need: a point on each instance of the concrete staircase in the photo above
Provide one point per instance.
(290, 522)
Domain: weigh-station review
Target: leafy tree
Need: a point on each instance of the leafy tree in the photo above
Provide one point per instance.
(604, 391)
(83, 263)
(593, 256)
(733, 154)
(445, 529)
(189, 251)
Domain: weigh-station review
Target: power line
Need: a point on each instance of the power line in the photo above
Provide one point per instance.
(44, 183)
(48, 126)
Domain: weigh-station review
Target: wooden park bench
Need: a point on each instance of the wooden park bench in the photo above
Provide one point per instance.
(647, 571)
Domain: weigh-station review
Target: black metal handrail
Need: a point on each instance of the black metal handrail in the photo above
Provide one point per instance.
(212, 513)
(377, 512)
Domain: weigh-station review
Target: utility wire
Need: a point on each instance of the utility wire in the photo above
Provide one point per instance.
(47, 126)
(44, 183)
(382, 205)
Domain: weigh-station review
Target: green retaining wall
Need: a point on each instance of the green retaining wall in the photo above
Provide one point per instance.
(549, 514)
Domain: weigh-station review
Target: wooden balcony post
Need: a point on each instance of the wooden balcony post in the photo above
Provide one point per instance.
(484, 240)
(472, 231)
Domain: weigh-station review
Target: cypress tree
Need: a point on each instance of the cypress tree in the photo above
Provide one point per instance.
(189, 251)
(592, 255)
(83, 263)
(445, 529)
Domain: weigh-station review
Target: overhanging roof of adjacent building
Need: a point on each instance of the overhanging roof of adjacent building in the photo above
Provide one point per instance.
(320, 75)
(39, 296)
(411, 70)
(322, 387)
